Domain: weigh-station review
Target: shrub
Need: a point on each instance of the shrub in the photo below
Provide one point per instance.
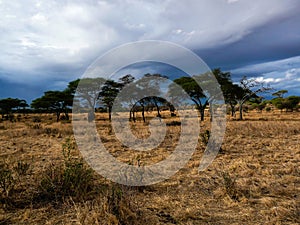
(230, 186)
(36, 126)
(36, 119)
(174, 123)
(6, 179)
(51, 131)
(205, 137)
(70, 179)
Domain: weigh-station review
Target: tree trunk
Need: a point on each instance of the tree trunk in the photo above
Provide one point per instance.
(241, 111)
(143, 113)
(157, 108)
(211, 113)
(91, 116)
(67, 115)
(133, 116)
(109, 113)
(232, 107)
(57, 116)
(201, 110)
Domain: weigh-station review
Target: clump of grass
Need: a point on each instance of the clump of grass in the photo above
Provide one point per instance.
(71, 179)
(22, 168)
(230, 186)
(113, 205)
(36, 126)
(7, 180)
(51, 131)
(205, 136)
(36, 119)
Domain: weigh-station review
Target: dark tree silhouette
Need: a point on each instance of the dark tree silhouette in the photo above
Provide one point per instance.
(53, 101)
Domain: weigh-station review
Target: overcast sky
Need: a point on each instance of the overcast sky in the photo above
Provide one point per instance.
(46, 44)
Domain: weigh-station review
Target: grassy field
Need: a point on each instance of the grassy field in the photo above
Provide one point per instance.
(255, 179)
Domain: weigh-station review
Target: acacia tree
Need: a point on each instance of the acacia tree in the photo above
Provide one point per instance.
(191, 87)
(291, 103)
(85, 94)
(129, 94)
(108, 93)
(87, 91)
(142, 94)
(249, 88)
(8, 105)
(152, 84)
(279, 94)
(230, 91)
(53, 101)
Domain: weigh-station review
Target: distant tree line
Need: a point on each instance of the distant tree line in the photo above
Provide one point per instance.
(10, 105)
(99, 95)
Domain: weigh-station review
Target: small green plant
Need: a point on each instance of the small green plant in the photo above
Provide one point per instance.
(205, 137)
(120, 204)
(230, 186)
(6, 179)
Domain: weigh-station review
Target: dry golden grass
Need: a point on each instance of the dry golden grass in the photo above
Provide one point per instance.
(254, 180)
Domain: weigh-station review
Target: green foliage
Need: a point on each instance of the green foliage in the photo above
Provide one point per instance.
(54, 101)
(230, 186)
(87, 91)
(7, 181)
(205, 136)
(290, 103)
(108, 93)
(280, 93)
(9, 105)
(268, 109)
(191, 87)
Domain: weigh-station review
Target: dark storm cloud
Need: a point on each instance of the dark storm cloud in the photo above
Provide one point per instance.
(276, 40)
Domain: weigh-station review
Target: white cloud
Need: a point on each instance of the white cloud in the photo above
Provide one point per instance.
(281, 74)
(232, 1)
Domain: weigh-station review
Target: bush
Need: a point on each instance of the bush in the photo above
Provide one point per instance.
(36, 126)
(71, 179)
(174, 123)
(36, 119)
(51, 131)
(205, 137)
(6, 179)
(230, 186)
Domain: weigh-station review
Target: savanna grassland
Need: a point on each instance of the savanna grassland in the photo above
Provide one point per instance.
(255, 179)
